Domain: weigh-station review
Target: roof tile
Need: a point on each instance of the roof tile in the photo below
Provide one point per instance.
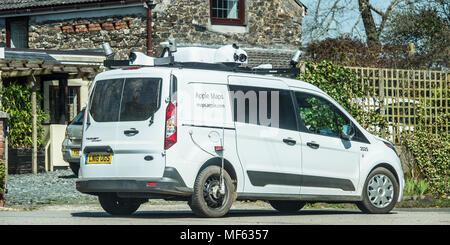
(21, 4)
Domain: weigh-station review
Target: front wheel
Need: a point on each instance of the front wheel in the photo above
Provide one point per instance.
(207, 199)
(380, 193)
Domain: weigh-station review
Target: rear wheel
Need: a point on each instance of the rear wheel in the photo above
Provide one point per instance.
(287, 206)
(207, 199)
(380, 193)
(115, 205)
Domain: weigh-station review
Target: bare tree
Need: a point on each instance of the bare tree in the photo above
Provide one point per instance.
(329, 18)
(372, 31)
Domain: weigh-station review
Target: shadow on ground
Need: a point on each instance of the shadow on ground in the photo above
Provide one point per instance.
(233, 213)
(68, 176)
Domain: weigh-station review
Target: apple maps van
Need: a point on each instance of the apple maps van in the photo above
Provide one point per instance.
(195, 126)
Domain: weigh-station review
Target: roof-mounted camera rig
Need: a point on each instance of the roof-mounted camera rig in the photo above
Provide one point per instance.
(226, 58)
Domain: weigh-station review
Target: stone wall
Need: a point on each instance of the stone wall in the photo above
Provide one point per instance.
(269, 24)
(272, 24)
(123, 33)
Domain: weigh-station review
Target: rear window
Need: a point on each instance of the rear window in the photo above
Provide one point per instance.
(131, 99)
(78, 120)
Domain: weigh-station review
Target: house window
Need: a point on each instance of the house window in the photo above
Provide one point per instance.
(17, 33)
(63, 112)
(227, 12)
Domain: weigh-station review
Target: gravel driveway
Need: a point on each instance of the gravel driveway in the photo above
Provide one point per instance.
(55, 187)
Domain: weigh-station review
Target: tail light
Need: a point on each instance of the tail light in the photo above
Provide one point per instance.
(171, 125)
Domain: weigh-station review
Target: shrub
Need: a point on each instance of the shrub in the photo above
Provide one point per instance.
(16, 101)
(349, 51)
(429, 144)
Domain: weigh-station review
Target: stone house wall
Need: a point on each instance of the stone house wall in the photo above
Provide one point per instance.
(272, 24)
(124, 33)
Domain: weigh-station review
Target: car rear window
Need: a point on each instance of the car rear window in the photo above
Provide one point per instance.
(131, 99)
(78, 120)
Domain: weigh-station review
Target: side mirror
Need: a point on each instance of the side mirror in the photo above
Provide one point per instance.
(348, 131)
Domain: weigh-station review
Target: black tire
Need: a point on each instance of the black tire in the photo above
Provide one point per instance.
(75, 167)
(206, 200)
(287, 206)
(369, 204)
(115, 205)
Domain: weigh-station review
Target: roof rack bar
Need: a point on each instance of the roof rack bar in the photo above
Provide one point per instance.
(168, 62)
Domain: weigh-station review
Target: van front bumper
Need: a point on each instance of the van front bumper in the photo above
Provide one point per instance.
(170, 184)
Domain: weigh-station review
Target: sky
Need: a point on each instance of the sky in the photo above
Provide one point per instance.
(345, 21)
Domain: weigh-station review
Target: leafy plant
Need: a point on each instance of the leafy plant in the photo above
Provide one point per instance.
(429, 144)
(421, 187)
(416, 187)
(16, 101)
(410, 186)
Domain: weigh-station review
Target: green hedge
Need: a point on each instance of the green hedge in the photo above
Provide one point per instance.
(16, 101)
(429, 144)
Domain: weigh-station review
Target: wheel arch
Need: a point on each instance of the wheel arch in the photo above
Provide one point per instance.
(386, 166)
(217, 161)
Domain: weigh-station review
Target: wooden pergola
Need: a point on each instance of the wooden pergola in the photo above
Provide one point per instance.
(34, 65)
(26, 68)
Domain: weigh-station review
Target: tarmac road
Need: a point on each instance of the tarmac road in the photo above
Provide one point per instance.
(258, 213)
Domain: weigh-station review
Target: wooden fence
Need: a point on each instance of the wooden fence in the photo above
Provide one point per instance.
(396, 95)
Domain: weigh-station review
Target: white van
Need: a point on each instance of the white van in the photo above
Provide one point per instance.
(210, 135)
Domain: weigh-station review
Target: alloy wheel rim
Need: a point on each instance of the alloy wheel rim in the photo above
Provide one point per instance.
(380, 191)
(211, 193)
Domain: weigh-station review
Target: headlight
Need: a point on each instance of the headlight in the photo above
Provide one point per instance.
(390, 145)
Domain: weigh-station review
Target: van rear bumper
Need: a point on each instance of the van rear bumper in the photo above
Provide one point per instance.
(170, 184)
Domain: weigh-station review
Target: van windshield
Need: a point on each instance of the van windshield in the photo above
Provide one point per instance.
(131, 99)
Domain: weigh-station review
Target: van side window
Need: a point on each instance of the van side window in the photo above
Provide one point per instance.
(319, 116)
(140, 99)
(263, 106)
(105, 102)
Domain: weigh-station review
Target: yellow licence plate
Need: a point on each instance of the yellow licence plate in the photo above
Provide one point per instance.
(75, 152)
(99, 159)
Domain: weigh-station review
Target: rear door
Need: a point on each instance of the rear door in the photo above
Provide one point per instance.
(100, 126)
(126, 121)
(140, 131)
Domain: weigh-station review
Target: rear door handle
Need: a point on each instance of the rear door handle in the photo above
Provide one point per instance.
(289, 141)
(131, 132)
(313, 145)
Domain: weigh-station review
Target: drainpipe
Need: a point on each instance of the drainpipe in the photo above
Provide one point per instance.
(149, 6)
